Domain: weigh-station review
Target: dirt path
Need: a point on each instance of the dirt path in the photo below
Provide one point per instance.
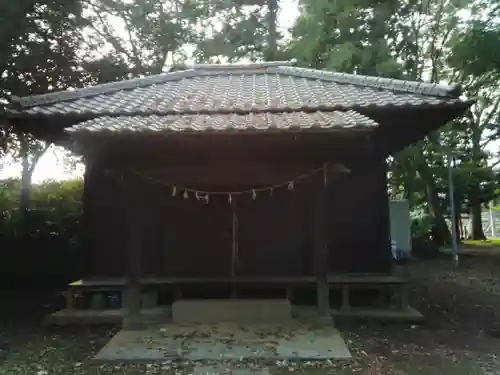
(462, 311)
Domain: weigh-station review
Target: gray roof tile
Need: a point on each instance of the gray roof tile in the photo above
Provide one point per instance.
(225, 122)
(273, 86)
(257, 96)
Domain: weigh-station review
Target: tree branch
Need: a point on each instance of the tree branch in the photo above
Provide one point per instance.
(105, 34)
(37, 156)
(491, 113)
(136, 57)
(496, 163)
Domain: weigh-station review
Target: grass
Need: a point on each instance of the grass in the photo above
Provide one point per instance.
(477, 247)
(489, 242)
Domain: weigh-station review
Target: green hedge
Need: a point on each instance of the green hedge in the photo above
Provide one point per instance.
(44, 246)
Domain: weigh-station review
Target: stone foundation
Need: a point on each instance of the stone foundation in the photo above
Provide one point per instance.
(231, 310)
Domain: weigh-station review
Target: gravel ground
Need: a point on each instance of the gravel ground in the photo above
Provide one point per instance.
(461, 334)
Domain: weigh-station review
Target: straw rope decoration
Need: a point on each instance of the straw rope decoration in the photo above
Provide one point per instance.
(203, 195)
(198, 194)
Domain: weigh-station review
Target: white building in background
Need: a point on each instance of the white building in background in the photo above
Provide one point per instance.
(399, 211)
(491, 223)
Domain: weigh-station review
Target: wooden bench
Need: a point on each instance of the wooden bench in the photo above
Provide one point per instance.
(103, 285)
(365, 281)
(345, 282)
(113, 285)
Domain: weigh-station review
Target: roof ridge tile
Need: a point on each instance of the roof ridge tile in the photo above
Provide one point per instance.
(105, 88)
(415, 87)
(129, 84)
(246, 66)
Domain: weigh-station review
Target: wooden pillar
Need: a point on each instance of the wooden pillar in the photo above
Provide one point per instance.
(319, 211)
(405, 304)
(69, 297)
(346, 305)
(385, 260)
(132, 301)
(89, 202)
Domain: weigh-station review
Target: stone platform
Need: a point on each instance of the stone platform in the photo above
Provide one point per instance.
(408, 315)
(227, 342)
(75, 317)
(67, 317)
(231, 310)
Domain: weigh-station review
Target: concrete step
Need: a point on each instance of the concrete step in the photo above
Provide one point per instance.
(231, 310)
(409, 315)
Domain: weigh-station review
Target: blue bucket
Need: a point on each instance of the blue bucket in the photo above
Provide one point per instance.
(114, 301)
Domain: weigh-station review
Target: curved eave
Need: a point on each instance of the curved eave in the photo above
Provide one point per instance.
(52, 127)
(84, 116)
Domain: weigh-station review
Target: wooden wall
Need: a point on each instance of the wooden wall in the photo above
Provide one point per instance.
(359, 227)
(191, 238)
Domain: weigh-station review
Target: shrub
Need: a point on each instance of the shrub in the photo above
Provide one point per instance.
(421, 225)
(44, 244)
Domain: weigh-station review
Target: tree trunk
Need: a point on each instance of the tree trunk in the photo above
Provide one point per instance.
(272, 30)
(458, 224)
(26, 175)
(458, 213)
(28, 167)
(476, 232)
(461, 230)
(441, 230)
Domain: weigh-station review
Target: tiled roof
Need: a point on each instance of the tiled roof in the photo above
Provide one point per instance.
(226, 122)
(257, 96)
(273, 86)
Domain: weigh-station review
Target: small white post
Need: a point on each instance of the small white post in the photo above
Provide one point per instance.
(451, 197)
(492, 221)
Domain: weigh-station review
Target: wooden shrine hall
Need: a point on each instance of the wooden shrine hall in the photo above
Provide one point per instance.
(239, 176)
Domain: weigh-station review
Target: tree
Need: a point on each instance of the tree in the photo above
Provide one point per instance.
(475, 60)
(238, 30)
(345, 36)
(376, 38)
(410, 40)
(144, 35)
(38, 53)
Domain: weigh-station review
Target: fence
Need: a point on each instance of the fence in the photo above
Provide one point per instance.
(491, 223)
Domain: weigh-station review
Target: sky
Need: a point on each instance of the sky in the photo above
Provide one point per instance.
(51, 165)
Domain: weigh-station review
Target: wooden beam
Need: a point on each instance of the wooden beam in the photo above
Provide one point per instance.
(196, 150)
(397, 132)
(134, 208)
(240, 176)
(227, 173)
(319, 220)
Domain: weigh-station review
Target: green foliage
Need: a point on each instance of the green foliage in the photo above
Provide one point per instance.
(477, 51)
(49, 242)
(429, 41)
(56, 208)
(142, 34)
(149, 35)
(38, 48)
(421, 225)
(351, 37)
(37, 53)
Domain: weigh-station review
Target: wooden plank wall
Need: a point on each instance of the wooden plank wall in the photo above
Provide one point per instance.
(190, 238)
